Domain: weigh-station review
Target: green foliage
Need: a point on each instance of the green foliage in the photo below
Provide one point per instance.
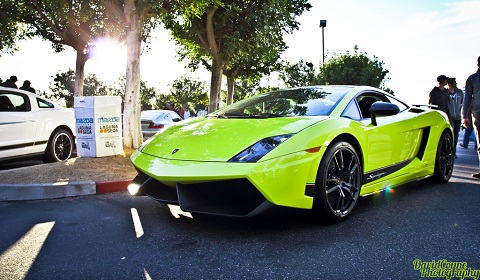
(245, 38)
(343, 68)
(246, 87)
(148, 95)
(62, 22)
(10, 32)
(63, 87)
(185, 91)
(353, 69)
(64, 84)
(299, 74)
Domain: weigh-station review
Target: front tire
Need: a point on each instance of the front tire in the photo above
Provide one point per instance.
(444, 159)
(60, 146)
(338, 184)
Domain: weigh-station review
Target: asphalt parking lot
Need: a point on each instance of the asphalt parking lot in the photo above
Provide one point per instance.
(418, 230)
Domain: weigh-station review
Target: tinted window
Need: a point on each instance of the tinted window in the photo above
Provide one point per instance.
(14, 102)
(399, 103)
(44, 103)
(352, 112)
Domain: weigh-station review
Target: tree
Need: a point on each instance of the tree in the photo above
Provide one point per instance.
(299, 74)
(73, 23)
(10, 31)
(139, 17)
(148, 95)
(246, 87)
(64, 84)
(186, 91)
(354, 69)
(340, 69)
(237, 35)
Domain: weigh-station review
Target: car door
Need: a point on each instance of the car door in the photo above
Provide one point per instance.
(17, 125)
(392, 143)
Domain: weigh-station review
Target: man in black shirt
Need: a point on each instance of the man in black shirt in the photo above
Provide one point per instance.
(10, 82)
(26, 86)
(439, 95)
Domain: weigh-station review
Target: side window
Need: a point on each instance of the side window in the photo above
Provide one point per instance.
(397, 102)
(365, 101)
(352, 112)
(168, 117)
(6, 104)
(14, 102)
(44, 104)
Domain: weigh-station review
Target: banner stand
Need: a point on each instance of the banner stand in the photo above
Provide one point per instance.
(99, 125)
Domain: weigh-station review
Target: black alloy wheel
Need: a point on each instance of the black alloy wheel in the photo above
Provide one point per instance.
(444, 159)
(60, 146)
(339, 181)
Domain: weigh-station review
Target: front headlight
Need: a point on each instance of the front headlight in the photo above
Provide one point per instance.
(259, 149)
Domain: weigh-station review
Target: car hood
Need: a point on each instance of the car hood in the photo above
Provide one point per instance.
(206, 139)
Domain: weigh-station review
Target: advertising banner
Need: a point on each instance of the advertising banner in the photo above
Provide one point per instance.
(99, 125)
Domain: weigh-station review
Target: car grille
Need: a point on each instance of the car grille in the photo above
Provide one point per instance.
(237, 198)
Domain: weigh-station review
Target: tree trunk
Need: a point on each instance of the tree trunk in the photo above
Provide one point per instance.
(132, 133)
(230, 89)
(79, 73)
(215, 86)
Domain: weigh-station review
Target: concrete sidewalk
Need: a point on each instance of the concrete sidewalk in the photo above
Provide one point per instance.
(19, 192)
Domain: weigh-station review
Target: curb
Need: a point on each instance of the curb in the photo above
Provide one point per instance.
(115, 186)
(17, 192)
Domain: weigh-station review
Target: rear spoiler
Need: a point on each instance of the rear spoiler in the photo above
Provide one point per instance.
(425, 105)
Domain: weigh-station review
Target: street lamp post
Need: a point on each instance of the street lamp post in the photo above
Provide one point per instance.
(323, 24)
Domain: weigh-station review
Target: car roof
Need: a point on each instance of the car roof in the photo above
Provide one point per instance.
(30, 94)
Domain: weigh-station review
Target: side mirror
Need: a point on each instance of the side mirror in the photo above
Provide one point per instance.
(382, 109)
(176, 120)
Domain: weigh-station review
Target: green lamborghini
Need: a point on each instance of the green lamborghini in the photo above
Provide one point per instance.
(316, 148)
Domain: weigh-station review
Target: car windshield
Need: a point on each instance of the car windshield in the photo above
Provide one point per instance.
(308, 101)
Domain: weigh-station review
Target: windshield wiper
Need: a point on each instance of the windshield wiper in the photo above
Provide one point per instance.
(266, 115)
(218, 116)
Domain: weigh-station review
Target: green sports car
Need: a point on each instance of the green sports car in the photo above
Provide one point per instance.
(318, 147)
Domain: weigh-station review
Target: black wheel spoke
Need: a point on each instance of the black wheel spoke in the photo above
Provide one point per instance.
(342, 184)
(62, 147)
(332, 189)
(444, 158)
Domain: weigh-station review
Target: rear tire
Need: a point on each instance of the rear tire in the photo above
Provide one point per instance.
(444, 159)
(60, 146)
(338, 184)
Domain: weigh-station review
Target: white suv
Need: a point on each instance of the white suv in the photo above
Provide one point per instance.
(34, 127)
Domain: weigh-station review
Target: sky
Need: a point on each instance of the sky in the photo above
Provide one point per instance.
(416, 40)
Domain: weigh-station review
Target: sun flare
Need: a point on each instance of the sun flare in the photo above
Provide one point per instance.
(108, 60)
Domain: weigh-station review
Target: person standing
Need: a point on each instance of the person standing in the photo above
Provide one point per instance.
(455, 109)
(26, 86)
(439, 95)
(471, 105)
(10, 82)
(186, 115)
(182, 112)
(467, 137)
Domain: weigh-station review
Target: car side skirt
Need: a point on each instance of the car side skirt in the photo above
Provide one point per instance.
(385, 171)
(24, 145)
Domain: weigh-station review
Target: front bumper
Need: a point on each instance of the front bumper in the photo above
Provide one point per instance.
(226, 188)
